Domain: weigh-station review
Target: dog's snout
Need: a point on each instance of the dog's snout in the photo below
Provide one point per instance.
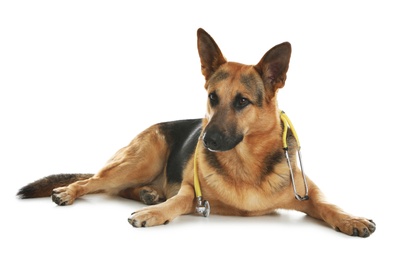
(219, 141)
(212, 141)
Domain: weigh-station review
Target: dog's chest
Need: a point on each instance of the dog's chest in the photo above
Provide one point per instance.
(261, 196)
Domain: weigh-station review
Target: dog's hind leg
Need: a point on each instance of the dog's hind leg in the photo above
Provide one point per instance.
(134, 166)
(149, 195)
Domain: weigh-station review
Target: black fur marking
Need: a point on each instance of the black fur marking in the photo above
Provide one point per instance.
(215, 78)
(271, 160)
(182, 137)
(219, 76)
(252, 84)
(213, 161)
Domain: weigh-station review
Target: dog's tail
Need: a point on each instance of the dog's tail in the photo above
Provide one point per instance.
(44, 186)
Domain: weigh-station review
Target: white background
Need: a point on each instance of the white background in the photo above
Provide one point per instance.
(79, 79)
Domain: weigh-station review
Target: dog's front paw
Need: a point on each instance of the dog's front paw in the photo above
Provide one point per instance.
(355, 226)
(147, 218)
(62, 196)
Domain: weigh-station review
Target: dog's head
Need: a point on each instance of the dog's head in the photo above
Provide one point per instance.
(241, 98)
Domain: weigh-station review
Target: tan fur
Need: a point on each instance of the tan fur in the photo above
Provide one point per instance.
(252, 179)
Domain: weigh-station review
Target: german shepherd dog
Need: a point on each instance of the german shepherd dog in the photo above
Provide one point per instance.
(237, 151)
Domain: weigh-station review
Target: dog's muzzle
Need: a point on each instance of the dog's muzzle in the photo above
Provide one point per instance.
(215, 141)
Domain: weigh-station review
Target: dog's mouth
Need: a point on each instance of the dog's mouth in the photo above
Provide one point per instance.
(216, 142)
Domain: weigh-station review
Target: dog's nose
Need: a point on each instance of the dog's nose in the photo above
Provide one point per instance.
(212, 141)
(216, 140)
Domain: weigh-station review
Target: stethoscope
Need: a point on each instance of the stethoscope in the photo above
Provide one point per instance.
(287, 124)
(203, 206)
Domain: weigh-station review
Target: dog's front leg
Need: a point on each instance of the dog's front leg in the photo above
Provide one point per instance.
(319, 208)
(180, 204)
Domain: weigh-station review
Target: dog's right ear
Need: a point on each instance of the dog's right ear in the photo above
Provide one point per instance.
(210, 54)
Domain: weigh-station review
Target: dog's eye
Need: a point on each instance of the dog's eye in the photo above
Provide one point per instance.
(214, 100)
(241, 102)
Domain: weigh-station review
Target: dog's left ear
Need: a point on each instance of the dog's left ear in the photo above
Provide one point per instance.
(210, 54)
(273, 67)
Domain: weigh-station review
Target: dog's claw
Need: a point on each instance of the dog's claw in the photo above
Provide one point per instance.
(373, 226)
(131, 221)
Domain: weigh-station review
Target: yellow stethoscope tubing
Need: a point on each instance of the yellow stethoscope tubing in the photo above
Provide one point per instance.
(197, 186)
(287, 124)
(203, 206)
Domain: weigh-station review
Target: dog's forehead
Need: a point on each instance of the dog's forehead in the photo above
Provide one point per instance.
(242, 78)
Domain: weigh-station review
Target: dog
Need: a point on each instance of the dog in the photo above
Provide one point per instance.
(236, 153)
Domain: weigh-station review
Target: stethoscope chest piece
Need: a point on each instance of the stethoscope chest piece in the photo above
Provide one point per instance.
(203, 207)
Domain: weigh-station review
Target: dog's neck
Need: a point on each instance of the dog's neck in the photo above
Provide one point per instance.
(252, 159)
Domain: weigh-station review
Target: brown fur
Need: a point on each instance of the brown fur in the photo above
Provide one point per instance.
(241, 166)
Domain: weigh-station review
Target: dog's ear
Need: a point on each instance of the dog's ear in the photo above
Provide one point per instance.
(273, 67)
(210, 54)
